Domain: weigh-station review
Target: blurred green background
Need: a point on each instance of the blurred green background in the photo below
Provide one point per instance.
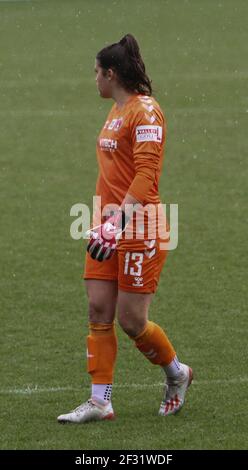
(196, 53)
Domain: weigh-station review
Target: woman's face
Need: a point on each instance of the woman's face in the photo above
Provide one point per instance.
(103, 81)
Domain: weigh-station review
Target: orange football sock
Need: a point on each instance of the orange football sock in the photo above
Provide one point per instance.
(155, 345)
(101, 352)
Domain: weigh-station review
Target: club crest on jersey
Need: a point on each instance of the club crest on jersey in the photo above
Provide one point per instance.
(149, 133)
(114, 125)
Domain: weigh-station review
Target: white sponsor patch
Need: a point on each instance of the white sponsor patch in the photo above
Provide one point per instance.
(148, 133)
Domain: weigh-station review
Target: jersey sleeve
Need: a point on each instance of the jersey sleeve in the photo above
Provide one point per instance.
(147, 145)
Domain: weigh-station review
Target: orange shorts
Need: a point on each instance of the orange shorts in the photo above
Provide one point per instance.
(136, 265)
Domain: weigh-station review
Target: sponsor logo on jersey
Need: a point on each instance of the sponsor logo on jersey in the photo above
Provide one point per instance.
(108, 144)
(148, 107)
(151, 253)
(148, 134)
(106, 125)
(138, 282)
(150, 354)
(145, 99)
(151, 118)
(150, 243)
(88, 355)
(115, 124)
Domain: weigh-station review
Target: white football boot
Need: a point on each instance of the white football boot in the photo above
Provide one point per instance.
(175, 390)
(88, 411)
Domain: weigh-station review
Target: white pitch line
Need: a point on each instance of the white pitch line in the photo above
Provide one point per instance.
(37, 389)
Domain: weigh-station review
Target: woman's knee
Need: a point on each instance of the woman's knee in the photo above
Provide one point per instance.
(101, 301)
(133, 312)
(100, 312)
(131, 324)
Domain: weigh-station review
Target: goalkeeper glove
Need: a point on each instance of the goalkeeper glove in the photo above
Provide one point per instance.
(104, 237)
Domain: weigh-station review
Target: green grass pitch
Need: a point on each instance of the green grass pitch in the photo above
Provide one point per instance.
(196, 54)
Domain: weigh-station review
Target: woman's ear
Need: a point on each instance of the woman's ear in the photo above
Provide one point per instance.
(110, 74)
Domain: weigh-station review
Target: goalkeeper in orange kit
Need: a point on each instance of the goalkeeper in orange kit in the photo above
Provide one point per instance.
(122, 268)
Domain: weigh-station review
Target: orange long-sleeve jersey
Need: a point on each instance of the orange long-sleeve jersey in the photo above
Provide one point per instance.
(130, 151)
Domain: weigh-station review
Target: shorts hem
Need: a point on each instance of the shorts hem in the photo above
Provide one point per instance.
(99, 277)
(151, 290)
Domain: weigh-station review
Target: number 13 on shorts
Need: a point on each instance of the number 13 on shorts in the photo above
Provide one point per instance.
(133, 263)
